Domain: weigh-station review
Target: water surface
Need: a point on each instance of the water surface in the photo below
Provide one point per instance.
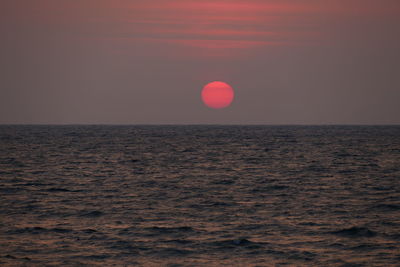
(200, 195)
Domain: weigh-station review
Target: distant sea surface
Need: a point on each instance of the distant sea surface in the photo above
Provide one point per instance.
(200, 196)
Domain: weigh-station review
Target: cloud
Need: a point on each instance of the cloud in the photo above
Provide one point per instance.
(217, 24)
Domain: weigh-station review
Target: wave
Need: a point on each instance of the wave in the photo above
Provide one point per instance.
(238, 242)
(169, 230)
(387, 207)
(355, 232)
(170, 252)
(95, 213)
(39, 230)
(55, 189)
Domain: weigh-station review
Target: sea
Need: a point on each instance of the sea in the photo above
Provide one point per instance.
(199, 195)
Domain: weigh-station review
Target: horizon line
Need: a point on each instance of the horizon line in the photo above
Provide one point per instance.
(194, 124)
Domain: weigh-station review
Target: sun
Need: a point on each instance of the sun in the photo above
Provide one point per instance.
(217, 95)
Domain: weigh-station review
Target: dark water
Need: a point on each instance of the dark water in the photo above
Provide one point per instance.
(199, 196)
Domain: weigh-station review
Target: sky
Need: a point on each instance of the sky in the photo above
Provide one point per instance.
(146, 61)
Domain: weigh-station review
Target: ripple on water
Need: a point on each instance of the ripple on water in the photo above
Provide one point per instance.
(199, 195)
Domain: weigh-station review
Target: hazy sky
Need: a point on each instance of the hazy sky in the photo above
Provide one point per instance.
(146, 61)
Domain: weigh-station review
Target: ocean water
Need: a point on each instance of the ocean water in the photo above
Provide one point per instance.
(199, 196)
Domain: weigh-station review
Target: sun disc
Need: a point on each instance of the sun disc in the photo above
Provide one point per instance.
(217, 95)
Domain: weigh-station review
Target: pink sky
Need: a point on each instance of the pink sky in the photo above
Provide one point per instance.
(89, 46)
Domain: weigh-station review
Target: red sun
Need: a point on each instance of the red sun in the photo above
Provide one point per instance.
(217, 95)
